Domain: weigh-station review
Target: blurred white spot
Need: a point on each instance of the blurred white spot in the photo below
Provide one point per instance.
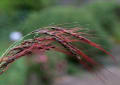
(15, 36)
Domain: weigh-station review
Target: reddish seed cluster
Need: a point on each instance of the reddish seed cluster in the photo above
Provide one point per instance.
(42, 44)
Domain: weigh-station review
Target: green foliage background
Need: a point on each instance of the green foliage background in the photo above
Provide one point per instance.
(21, 5)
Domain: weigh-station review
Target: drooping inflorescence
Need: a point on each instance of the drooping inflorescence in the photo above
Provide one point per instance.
(39, 44)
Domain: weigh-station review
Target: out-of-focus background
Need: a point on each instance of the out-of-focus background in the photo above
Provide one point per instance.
(102, 17)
